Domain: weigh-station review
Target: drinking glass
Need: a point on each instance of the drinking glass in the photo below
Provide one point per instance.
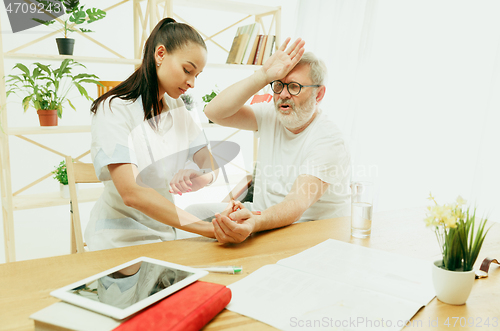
(361, 209)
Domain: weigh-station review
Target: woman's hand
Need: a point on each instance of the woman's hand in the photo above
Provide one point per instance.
(189, 180)
(283, 60)
(235, 223)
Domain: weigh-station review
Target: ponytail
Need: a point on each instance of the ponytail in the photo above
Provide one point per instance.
(144, 81)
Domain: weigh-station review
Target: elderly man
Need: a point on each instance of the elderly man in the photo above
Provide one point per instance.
(303, 166)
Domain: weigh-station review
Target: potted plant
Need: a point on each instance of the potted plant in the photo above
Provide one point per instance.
(46, 89)
(455, 227)
(75, 14)
(61, 175)
(188, 101)
(207, 98)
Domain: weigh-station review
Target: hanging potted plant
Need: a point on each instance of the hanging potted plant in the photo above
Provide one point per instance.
(74, 15)
(61, 175)
(453, 275)
(46, 89)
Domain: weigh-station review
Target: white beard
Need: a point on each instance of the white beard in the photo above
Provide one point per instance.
(299, 115)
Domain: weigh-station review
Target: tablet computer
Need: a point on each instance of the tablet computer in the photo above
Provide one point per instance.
(124, 290)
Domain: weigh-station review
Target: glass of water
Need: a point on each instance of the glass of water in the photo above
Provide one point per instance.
(361, 209)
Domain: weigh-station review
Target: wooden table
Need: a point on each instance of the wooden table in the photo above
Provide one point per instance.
(25, 285)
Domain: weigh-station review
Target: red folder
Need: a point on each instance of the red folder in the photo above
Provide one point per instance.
(188, 309)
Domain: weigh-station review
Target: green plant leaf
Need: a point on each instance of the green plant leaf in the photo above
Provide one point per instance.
(78, 17)
(91, 81)
(70, 5)
(71, 105)
(95, 14)
(26, 102)
(61, 173)
(64, 68)
(81, 89)
(59, 110)
(43, 67)
(80, 76)
(47, 23)
(23, 68)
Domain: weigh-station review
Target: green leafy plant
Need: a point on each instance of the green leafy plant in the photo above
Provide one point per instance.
(61, 174)
(188, 101)
(454, 227)
(75, 14)
(46, 88)
(208, 97)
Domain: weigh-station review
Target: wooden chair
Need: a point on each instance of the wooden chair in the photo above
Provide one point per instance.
(107, 85)
(77, 173)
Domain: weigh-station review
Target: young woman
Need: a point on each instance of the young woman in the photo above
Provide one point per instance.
(142, 136)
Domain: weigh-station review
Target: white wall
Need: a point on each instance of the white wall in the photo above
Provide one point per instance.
(414, 84)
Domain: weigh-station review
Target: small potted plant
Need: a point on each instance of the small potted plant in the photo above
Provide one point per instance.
(75, 14)
(460, 242)
(207, 98)
(46, 89)
(61, 175)
(188, 101)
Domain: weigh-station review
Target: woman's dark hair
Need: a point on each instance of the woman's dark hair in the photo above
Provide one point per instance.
(144, 81)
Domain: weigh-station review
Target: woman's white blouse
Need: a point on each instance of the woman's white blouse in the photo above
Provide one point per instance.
(121, 135)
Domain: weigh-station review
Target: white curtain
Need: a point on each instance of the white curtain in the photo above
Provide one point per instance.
(415, 86)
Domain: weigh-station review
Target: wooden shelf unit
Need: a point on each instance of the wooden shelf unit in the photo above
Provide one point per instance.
(144, 21)
(32, 201)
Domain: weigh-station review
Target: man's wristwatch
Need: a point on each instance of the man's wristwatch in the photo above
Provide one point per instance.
(206, 171)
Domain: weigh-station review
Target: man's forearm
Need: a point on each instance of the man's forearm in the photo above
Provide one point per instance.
(280, 215)
(230, 100)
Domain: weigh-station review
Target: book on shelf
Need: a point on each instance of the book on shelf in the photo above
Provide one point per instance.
(260, 50)
(242, 44)
(253, 32)
(251, 56)
(188, 309)
(268, 50)
(234, 50)
(241, 49)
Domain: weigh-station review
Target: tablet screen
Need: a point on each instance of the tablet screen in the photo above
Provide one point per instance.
(124, 290)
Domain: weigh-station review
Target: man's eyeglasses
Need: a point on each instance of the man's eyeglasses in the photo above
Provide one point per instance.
(293, 88)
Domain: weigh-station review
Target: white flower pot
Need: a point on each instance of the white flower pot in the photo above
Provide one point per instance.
(452, 287)
(64, 190)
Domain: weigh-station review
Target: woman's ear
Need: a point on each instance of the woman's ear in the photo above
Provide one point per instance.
(160, 53)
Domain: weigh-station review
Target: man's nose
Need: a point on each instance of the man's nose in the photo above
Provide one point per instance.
(285, 94)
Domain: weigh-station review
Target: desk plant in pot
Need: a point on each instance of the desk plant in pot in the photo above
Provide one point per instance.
(207, 98)
(188, 101)
(46, 89)
(75, 14)
(61, 175)
(460, 241)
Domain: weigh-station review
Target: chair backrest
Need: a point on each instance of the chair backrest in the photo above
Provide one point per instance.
(107, 85)
(77, 173)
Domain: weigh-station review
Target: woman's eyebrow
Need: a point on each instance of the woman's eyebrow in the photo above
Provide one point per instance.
(191, 63)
